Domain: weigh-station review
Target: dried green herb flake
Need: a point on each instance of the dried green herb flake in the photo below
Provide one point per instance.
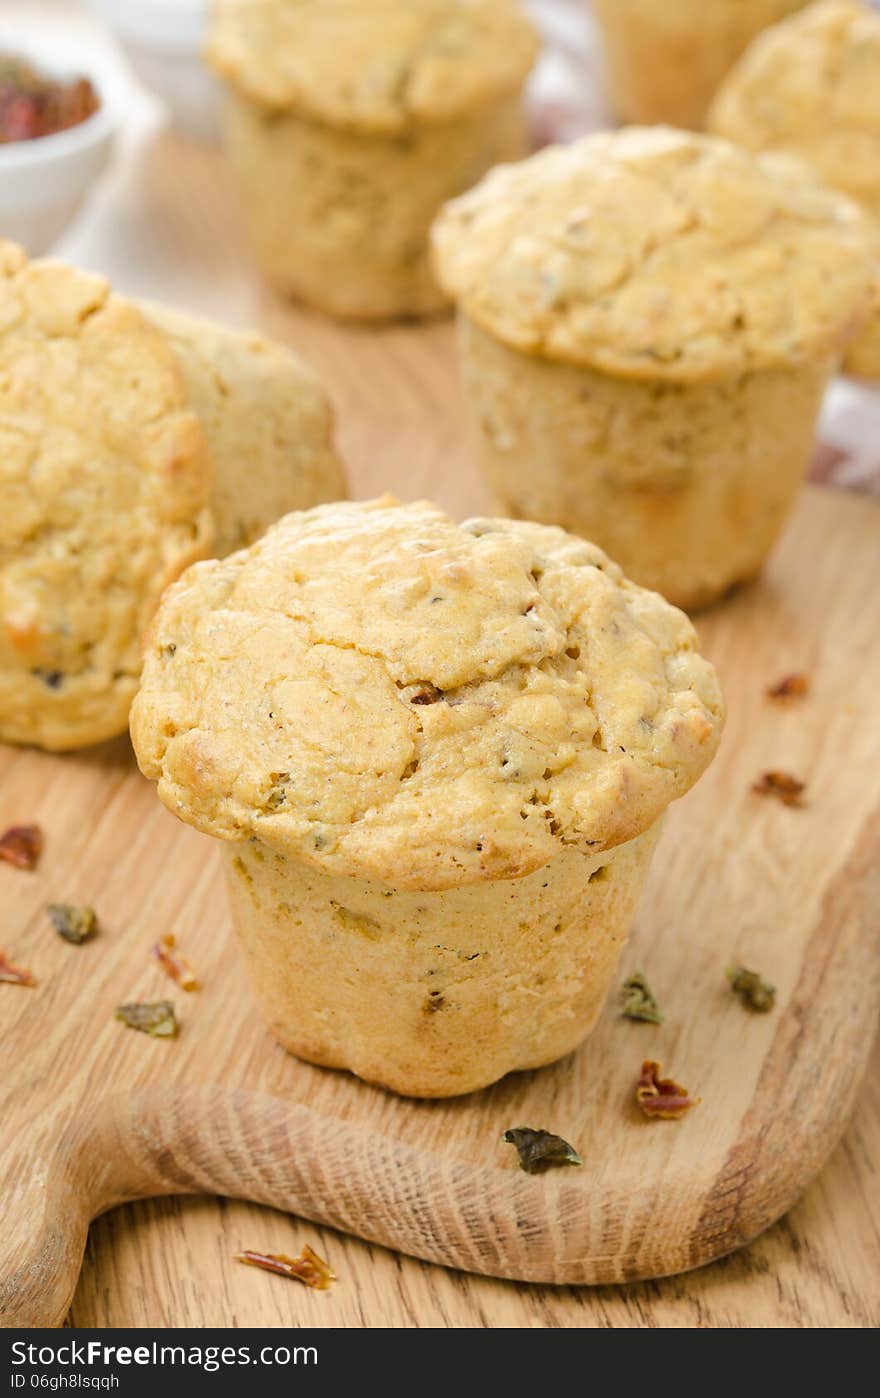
(539, 1150)
(754, 992)
(637, 1000)
(74, 924)
(156, 1018)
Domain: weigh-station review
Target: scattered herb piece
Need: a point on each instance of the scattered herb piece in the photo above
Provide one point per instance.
(308, 1267)
(754, 992)
(538, 1150)
(637, 1000)
(175, 966)
(15, 975)
(22, 846)
(784, 787)
(72, 923)
(157, 1019)
(662, 1097)
(789, 687)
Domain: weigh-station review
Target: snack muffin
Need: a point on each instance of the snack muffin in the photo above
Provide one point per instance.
(437, 756)
(648, 321)
(811, 87)
(122, 433)
(349, 125)
(666, 57)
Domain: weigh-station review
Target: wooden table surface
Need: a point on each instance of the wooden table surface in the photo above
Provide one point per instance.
(163, 225)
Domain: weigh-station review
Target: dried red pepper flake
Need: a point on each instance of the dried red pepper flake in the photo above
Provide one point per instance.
(308, 1268)
(783, 786)
(21, 846)
(793, 686)
(662, 1097)
(14, 975)
(174, 965)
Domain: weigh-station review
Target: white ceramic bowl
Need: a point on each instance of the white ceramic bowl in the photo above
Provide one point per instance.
(44, 182)
(163, 40)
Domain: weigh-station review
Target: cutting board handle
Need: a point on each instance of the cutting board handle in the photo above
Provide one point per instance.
(203, 1141)
(165, 1141)
(74, 1169)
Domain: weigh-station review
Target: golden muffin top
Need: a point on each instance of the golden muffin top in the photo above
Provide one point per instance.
(372, 65)
(811, 87)
(653, 253)
(378, 691)
(105, 480)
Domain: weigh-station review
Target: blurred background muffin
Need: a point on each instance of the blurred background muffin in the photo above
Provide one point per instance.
(350, 124)
(666, 57)
(810, 87)
(648, 321)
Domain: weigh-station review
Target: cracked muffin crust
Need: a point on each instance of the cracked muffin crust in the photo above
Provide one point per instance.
(810, 87)
(350, 122)
(106, 482)
(657, 254)
(373, 690)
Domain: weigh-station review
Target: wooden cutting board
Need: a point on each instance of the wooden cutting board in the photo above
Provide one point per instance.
(95, 1114)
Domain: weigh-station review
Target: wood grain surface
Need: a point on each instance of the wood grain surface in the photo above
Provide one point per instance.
(98, 1115)
(166, 226)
